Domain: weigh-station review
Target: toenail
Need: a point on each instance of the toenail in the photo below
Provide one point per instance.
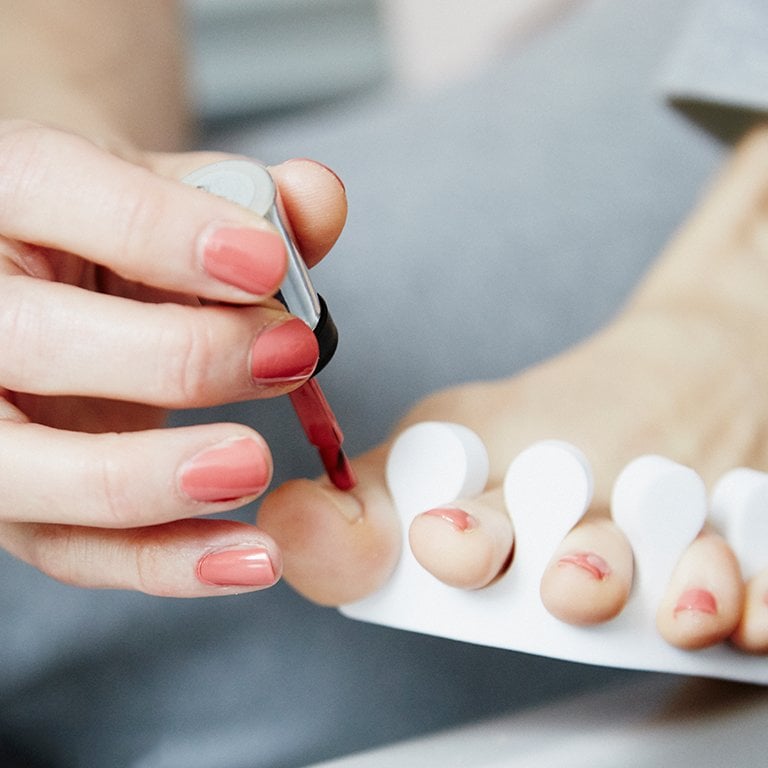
(458, 518)
(698, 600)
(346, 503)
(588, 561)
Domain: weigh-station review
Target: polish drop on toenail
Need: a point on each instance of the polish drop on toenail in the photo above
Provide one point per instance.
(590, 562)
(458, 518)
(697, 600)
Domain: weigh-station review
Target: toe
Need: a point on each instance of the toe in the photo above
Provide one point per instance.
(704, 600)
(337, 546)
(467, 544)
(752, 632)
(590, 575)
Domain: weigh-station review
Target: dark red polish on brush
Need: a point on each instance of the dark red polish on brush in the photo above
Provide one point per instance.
(323, 431)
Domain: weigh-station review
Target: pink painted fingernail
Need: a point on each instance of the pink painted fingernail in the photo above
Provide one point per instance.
(243, 566)
(225, 472)
(590, 562)
(246, 257)
(458, 518)
(698, 600)
(284, 352)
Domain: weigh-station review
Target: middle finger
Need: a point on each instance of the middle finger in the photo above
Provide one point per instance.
(63, 340)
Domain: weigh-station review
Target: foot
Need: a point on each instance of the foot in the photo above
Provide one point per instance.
(679, 373)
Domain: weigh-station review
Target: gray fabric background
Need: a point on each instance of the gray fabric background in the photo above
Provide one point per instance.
(490, 226)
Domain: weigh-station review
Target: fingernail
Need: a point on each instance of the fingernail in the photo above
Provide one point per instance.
(590, 562)
(284, 352)
(252, 259)
(698, 600)
(243, 566)
(323, 166)
(225, 472)
(458, 518)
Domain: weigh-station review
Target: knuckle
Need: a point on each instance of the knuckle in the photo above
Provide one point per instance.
(142, 213)
(22, 328)
(148, 563)
(92, 558)
(187, 356)
(58, 552)
(26, 152)
(112, 484)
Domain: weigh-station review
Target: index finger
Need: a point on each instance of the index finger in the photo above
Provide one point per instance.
(57, 190)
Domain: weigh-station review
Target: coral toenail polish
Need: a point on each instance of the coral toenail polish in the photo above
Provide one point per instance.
(458, 518)
(593, 564)
(697, 600)
(244, 566)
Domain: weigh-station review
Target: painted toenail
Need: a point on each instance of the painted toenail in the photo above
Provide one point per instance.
(458, 518)
(590, 562)
(698, 600)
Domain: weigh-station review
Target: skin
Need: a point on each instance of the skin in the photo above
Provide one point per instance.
(102, 248)
(638, 386)
(110, 124)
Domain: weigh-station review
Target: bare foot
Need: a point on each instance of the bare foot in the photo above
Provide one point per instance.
(680, 373)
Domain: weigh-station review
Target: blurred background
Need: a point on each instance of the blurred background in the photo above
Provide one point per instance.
(266, 56)
(588, 174)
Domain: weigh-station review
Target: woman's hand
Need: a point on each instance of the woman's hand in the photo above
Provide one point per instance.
(124, 293)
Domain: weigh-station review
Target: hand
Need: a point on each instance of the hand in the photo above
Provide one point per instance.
(104, 261)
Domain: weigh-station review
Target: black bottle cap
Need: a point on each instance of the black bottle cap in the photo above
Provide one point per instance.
(327, 336)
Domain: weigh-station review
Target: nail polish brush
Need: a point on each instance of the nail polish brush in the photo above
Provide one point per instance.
(250, 185)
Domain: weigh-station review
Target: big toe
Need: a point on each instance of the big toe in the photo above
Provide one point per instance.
(337, 546)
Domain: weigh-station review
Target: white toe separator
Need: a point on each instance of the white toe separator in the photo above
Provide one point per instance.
(660, 505)
(740, 512)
